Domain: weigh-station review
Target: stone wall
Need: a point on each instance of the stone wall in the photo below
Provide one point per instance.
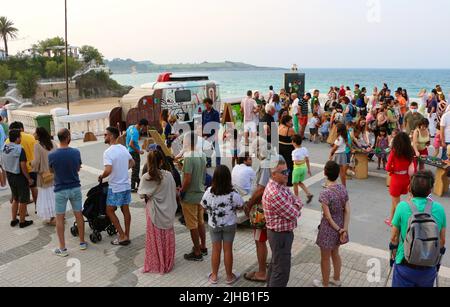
(55, 92)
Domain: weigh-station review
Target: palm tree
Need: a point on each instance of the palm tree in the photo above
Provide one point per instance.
(7, 31)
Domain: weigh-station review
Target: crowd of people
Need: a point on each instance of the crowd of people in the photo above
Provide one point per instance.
(397, 131)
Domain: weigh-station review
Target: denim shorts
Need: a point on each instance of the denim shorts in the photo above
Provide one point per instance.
(72, 195)
(225, 234)
(118, 199)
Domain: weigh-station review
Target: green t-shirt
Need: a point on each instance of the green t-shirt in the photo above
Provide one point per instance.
(195, 164)
(401, 220)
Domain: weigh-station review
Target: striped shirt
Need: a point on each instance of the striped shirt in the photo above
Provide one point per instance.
(304, 107)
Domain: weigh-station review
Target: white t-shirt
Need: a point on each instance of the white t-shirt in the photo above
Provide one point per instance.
(295, 107)
(243, 177)
(313, 123)
(445, 123)
(340, 142)
(221, 209)
(118, 157)
(300, 154)
(248, 105)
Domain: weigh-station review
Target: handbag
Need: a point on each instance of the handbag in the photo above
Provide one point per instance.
(257, 218)
(47, 177)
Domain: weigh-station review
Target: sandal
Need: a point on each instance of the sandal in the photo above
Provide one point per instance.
(310, 197)
(236, 277)
(252, 277)
(212, 281)
(116, 242)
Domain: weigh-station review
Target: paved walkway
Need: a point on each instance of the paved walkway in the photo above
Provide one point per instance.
(26, 257)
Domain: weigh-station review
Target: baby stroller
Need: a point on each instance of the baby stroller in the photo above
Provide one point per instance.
(94, 210)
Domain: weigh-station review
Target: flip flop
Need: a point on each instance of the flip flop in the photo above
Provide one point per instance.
(252, 277)
(212, 281)
(235, 279)
(116, 242)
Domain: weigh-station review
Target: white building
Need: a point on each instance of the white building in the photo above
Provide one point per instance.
(2, 54)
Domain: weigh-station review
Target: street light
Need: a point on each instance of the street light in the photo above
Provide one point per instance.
(66, 62)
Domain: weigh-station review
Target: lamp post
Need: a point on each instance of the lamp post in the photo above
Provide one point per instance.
(66, 61)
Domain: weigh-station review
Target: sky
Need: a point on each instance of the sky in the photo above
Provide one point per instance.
(310, 33)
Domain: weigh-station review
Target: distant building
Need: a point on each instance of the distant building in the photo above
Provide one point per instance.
(2, 54)
(51, 52)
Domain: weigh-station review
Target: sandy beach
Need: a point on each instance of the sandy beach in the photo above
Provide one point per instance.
(81, 106)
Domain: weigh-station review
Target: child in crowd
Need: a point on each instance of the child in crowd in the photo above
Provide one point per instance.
(300, 157)
(325, 130)
(314, 124)
(381, 146)
(221, 203)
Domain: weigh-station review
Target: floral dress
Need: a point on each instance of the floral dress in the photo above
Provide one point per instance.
(335, 197)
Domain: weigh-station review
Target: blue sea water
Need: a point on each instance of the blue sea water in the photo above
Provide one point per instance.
(236, 83)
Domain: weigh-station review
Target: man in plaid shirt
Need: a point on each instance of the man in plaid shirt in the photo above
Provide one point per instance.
(281, 210)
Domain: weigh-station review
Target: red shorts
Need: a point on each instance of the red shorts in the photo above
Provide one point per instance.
(399, 185)
(303, 121)
(260, 235)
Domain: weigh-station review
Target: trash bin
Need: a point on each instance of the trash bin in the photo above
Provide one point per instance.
(44, 121)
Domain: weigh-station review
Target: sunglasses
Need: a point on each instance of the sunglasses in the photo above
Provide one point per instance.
(285, 172)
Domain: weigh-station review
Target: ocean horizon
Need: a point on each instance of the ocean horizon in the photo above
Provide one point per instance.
(237, 83)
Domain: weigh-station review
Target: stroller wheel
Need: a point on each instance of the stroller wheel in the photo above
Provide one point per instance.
(93, 238)
(91, 225)
(111, 231)
(99, 237)
(74, 230)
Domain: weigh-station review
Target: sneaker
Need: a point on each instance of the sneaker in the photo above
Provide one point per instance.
(14, 223)
(317, 283)
(83, 246)
(61, 252)
(134, 190)
(336, 283)
(203, 251)
(193, 257)
(25, 224)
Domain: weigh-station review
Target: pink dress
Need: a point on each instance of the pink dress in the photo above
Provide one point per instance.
(159, 249)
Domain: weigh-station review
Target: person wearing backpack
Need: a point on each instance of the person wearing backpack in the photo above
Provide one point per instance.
(418, 236)
(350, 112)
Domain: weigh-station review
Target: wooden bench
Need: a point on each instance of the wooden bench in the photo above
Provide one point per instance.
(441, 177)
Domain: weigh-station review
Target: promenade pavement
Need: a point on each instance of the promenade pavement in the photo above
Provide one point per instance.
(26, 257)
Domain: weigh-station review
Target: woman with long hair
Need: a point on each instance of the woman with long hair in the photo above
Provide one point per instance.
(400, 167)
(285, 134)
(421, 140)
(221, 203)
(164, 119)
(45, 203)
(158, 188)
(339, 151)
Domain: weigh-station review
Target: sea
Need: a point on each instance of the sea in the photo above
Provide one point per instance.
(236, 83)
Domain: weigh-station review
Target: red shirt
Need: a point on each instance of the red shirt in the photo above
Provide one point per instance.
(397, 164)
(281, 207)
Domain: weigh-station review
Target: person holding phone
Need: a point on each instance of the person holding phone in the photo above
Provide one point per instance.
(333, 231)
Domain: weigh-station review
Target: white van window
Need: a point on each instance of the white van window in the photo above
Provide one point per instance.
(183, 96)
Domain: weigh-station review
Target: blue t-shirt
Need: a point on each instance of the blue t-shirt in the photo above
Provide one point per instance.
(65, 163)
(132, 134)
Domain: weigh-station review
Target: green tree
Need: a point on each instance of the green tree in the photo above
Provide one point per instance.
(72, 66)
(7, 31)
(51, 69)
(90, 54)
(5, 74)
(27, 83)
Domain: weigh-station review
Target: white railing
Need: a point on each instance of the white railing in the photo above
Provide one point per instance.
(81, 123)
(28, 119)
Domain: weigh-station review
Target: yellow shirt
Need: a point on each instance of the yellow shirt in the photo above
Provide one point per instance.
(27, 141)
